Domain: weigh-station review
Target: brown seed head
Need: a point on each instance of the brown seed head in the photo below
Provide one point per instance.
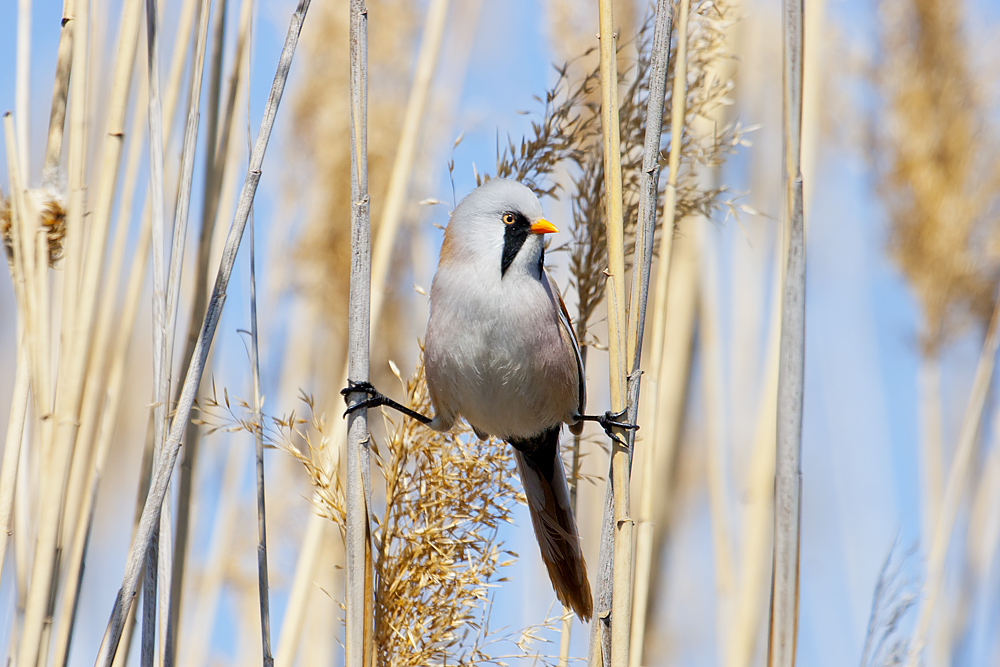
(5, 228)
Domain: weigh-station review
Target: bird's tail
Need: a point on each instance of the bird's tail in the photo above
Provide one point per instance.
(547, 492)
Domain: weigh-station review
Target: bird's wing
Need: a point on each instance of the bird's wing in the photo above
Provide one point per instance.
(567, 326)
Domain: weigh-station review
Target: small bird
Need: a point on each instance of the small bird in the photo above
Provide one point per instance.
(500, 351)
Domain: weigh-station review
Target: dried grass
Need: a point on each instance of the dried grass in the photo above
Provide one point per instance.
(934, 156)
(52, 207)
(935, 162)
(887, 642)
(568, 137)
(438, 557)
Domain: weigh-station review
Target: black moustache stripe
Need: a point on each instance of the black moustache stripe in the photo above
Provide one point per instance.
(514, 236)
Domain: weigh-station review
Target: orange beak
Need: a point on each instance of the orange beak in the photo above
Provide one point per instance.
(543, 226)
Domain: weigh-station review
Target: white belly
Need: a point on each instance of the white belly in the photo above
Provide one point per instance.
(502, 363)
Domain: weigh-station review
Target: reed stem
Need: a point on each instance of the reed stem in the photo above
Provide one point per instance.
(621, 603)
(165, 463)
(791, 365)
(358, 538)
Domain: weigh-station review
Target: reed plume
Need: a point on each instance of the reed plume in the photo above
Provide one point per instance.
(437, 553)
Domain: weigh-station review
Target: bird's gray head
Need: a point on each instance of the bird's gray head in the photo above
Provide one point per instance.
(499, 226)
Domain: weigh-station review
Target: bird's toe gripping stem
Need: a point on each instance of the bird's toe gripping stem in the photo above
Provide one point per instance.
(374, 400)
(612, 420)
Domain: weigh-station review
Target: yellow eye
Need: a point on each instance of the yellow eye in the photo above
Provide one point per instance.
(508, 218)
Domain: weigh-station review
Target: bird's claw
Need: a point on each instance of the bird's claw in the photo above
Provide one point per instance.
(611, 420)
(375, 398)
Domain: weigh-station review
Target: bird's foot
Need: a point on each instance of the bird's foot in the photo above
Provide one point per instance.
(375, 399)
(610, 421)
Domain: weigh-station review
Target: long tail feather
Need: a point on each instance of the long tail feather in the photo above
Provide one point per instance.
(545, 487)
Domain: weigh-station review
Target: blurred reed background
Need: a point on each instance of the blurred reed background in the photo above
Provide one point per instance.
(901, 464)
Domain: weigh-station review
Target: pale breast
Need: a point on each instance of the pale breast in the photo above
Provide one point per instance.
(500, 359)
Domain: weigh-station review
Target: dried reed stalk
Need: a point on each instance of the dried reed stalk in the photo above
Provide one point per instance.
(165, 463)
(76, 155)
(12, 443)
(934, 159)
(453, 491)
(649, 188)
(791, 365)
(160, 334)
(384, 242)
(644, 537)
(22, 384)
(262, 587)
(216, 160)
(758, 517)
(31, 287)
(56, 454)
(171, 304)
(358, 531)
(212, 578)
(22, 77)
(983, 538)
(643, 253)
(955, 488)
(66, 618)
(13, 212)
(615, 296)
(89, 459)
(78, 308)
(64, 63)
(10, 212)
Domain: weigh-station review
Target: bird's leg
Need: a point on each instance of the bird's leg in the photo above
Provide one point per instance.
(610, 420)
(376, 399)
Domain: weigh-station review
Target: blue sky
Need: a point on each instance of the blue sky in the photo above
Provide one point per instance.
(861, 479)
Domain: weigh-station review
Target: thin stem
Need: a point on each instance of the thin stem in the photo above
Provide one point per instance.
(22, 374)
(758, 516)
(165, 463)
(100, 403)
(358, 541)
(23, 77)
(615, 298)
(262, 590)
(105, 431)
(931, 445)
(25, 366)
(791, 366)
(180, 226)
(12, 446)
(659, 65)
(216, 160)
(955, 487)
(60, 88)
(160, 361)
(31, 286)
